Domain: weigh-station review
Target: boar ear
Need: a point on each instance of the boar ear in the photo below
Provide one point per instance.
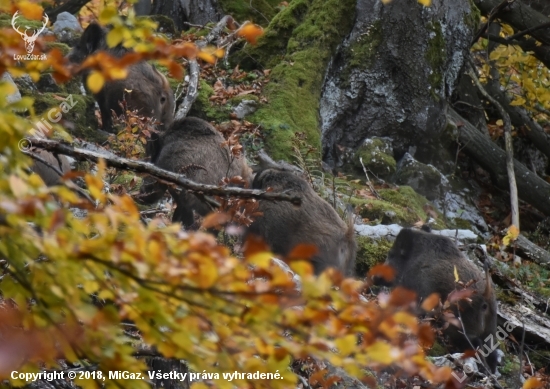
(488, 284)
(92, 38)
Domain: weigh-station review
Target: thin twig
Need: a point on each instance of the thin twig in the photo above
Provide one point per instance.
(371, 187)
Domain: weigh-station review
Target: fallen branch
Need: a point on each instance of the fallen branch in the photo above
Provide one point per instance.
(532, 251)
(178, 179)
(509, 147)
(532, 189)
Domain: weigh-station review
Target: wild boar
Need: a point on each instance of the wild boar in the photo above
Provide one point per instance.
(284, 225)
(193, 147)
(425, 263)
(145, 88)
(49, 175)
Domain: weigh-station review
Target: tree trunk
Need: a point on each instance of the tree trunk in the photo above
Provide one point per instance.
(392, 74)
(188, 11)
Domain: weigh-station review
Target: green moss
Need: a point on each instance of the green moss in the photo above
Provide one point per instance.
(540, 358)
(377, 158)
(60, 46)
(510, 365)
(5, 21)
(461, 224)
(436, 55)
(81, 115)
(237, 99)
(361, 52)
(298, 45)
(257, 11)
(370, 252)
(437, 350)
(474, 17)
(534, 277)
(204, 109)
(165, 23)
(174, 84)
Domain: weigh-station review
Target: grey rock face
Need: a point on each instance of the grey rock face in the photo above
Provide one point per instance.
(392, 74)
(64, 21)
(15, 96)
(245, 108)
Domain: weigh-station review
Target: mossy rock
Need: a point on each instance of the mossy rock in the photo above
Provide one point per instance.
(377, 156)
(297, 46)
(425, 179)
(370, 252)
(81, 115)
(403, 203)
(436, 55)
(204, 109)
(257, 11)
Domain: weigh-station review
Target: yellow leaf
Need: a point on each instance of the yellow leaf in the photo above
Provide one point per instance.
(380, 352)
(425, 3)
(518, 101)
(207, 57)
(346, 344)
(251, 32)
(499, 122)
(456, 274)
(90, 286)
(107, 14)
(511, 235)
(115, 36)
(208, 274)
(118, 73)
(95, 81)
(30, 10)
(18, 186)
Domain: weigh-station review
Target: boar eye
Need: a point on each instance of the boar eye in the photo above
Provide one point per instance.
(162, 100)
(484, 306)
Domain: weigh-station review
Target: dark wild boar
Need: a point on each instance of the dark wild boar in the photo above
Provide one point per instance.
(49, 175)
(284, 225)
(425, 262)
(147, 90)
(193, 147)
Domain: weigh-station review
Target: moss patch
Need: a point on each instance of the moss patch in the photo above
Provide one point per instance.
(377, 157)
(472, 19)
(5, 21)
(436, 54)
(370, 252)
(406, 205)
(311, 30)
(203, 109)
(361, 51)
(257, 11)
(81, 115)
(62, 47)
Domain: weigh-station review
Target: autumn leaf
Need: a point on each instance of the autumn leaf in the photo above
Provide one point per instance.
(430, 302)
(95, 81)
(532, 383)
(425, 3)
(511, 235)
(31, 11)
(251, 32)
(455, 272)
(216, 220)
(384, 271)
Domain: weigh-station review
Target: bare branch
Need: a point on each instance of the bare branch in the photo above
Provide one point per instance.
(509, 147)
(178, 179)
(192, 91)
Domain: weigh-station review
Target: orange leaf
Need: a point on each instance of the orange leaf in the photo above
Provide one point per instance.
(215, 220)
(532, 383)
(30, 10)
(250, 32)
(401, 296)
(303, 251)
(207, 57)
(384, 271)
(430, 302)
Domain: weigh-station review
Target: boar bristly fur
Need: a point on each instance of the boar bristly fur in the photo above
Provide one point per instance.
(284, 225)
(425, 263)
(49, 175)
(193, 147)
(145, 88)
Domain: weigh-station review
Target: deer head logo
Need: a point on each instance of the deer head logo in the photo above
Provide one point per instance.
(29, 40)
